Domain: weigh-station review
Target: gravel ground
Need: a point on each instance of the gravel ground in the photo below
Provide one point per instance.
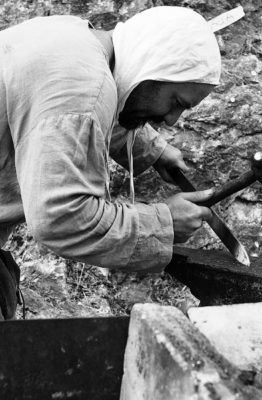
(58, 288)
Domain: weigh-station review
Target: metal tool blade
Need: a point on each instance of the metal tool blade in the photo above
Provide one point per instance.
(216, 224)
(228, 238)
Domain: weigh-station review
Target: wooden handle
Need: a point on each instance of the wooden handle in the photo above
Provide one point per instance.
(181, 180)
(221, 193)
(230, 187)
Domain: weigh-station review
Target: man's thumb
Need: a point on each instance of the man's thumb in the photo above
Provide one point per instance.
(182, 165)
(199, 196)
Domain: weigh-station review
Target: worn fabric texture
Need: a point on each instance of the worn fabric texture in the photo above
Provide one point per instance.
(57, 112)
(171, 44)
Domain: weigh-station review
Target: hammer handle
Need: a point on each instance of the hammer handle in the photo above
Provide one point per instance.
(221, 193)
(230, 187)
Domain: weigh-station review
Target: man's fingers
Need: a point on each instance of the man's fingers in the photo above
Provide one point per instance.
(176, 159)
(181, 165)
(197, 197)
(206, 213)
(188, 216)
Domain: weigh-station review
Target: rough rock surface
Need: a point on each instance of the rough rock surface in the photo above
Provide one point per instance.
(168, 358)
(215, 277)
(235, 331)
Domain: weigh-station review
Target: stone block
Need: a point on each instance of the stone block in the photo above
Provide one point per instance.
(167, 358)
(234, 330)
(215, 277)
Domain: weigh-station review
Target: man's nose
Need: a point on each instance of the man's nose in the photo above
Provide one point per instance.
(171, 118)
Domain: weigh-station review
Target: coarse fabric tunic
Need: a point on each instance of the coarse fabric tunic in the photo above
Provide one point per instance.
(57, 112)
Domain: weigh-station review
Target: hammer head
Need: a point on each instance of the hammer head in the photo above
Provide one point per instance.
(256, 165)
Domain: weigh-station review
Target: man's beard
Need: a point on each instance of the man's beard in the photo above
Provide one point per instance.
(130, 122)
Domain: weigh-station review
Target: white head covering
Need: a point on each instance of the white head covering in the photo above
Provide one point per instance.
(171, 44)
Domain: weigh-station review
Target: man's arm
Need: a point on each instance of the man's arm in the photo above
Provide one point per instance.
(149, 149)
(62, 172)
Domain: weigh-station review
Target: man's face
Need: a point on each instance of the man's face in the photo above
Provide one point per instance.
(161, 102)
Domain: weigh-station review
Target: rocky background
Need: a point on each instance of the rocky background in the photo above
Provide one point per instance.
(217, 138)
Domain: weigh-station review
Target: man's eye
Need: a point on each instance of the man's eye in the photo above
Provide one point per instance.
(178, 104)
(182, 104)
(175, 104)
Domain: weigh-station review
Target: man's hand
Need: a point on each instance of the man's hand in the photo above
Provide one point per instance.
(187, 216)
(171, 157)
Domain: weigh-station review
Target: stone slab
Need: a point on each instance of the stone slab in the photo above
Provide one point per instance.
(234, 330)
(78, 359)
(215, 277)
(167, 358)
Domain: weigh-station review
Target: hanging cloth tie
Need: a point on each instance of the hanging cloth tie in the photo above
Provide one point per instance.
(129, 145)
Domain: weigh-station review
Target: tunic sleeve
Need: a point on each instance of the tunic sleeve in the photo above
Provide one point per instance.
(147, 148)
(62, 173)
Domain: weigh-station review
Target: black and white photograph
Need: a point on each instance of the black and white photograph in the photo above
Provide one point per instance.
(130, 200)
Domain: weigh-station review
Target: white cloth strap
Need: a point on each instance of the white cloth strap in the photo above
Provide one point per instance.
(129, 144)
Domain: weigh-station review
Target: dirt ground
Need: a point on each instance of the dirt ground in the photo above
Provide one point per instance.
(58, 288)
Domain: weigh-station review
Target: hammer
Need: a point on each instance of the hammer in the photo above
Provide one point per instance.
(246, 179)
